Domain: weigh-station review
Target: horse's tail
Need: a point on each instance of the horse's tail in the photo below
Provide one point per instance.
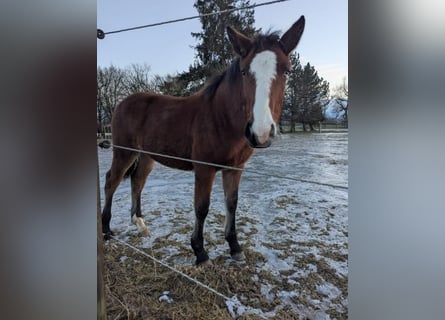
(131, 169)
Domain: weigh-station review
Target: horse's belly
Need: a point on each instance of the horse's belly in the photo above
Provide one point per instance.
(174, 163)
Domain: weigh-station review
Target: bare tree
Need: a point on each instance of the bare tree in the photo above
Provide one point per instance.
(110, 90)
(114, 84)
(341, 96)
(137, 79)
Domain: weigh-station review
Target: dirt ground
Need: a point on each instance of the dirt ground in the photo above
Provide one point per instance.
(294, 235)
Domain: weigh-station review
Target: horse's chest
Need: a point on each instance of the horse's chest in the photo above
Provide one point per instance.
(244, 154)
(237, 155)
(223, 152)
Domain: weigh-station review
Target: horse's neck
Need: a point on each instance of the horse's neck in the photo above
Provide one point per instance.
(228, 103)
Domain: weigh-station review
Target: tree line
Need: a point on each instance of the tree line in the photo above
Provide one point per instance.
(114, 84)
(306, 94)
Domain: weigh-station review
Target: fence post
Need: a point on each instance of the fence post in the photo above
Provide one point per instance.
(101, 308)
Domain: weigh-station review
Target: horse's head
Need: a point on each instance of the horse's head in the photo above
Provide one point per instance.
(264, 63)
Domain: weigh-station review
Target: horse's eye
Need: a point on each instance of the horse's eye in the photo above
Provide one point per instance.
(243, 72)
(287, 73)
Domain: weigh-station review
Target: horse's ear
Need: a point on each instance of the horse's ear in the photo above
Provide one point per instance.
(240, 43)
(291, 37)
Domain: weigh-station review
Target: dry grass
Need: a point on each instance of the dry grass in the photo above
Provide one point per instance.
(134, 285)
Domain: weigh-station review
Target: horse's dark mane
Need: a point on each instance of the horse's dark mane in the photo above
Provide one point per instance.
(214, 82)
(260, 41)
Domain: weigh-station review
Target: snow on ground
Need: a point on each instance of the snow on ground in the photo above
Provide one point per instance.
(299, 230)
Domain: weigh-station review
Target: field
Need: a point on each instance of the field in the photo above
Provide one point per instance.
(294, 235)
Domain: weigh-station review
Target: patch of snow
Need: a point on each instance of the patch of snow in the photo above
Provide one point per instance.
(328, 290)
(265, 291)
(235, 307)
(340, 267)
(286, 295)
(165, 297)
(321, 315)
(274, 264)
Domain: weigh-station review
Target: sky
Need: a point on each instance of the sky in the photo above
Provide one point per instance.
(168, 49)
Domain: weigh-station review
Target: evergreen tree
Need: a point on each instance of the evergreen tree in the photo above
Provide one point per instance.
(213, 51)
(292, 102)
(314, 96)
(306, 95)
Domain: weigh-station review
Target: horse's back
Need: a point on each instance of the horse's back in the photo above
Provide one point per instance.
(155, 123)
(141, 113)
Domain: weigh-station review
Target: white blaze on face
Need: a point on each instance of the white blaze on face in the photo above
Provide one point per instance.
(263, 68)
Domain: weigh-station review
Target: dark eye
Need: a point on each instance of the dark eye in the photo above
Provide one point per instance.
(243, 72)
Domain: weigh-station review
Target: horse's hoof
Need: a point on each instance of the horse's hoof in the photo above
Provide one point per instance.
(207, 263)
(108, 235)
(202, 258)
(145, 233)
(239, 256)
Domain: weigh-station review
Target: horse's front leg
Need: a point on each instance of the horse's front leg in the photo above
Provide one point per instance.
(204, 177)
(231, 179)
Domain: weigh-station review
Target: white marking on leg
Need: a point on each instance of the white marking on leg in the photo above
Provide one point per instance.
(264, 69)
(140, 224)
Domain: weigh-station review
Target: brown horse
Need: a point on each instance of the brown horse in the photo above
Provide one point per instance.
(237, 111)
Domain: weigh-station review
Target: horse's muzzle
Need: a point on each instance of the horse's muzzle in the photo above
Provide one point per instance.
(253, 139)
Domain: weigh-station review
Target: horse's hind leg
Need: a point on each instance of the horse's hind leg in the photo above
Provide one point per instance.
(231, 179)
(122, 160)
(204, 177)
(138, 178)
